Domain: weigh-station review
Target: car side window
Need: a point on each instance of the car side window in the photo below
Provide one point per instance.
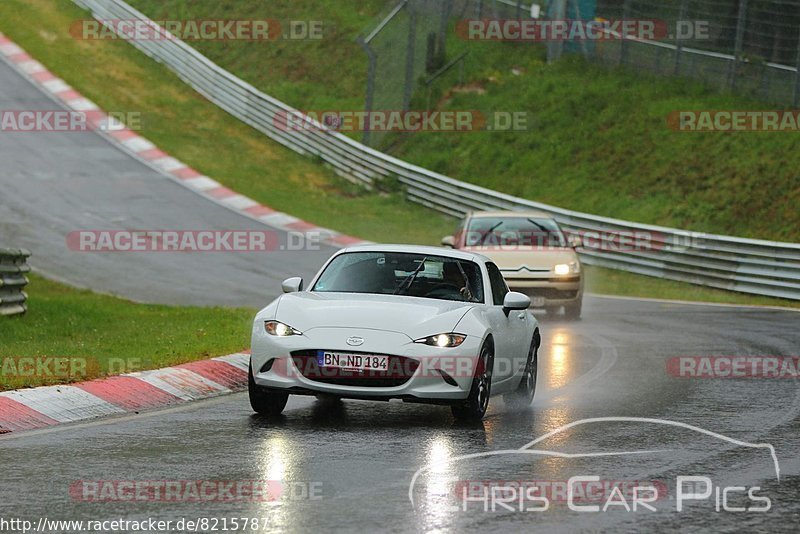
(499, 287)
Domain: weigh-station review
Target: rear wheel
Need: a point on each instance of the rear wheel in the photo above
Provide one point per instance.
(474, 407)
(522, 397)
(264, 400)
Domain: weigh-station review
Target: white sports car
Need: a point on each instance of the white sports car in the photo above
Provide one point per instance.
(381, 322)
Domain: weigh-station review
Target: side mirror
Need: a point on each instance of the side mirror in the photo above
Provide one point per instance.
(292, 285)
(575, 241)
(449, 241)
(515, 301)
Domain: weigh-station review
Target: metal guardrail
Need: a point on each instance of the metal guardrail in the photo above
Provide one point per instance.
(745, 265)
(13, 280)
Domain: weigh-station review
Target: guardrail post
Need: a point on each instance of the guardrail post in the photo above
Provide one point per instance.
(13, 267)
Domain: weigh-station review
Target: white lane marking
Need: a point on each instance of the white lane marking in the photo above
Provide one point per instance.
(168, 163)
(56, 85)
(83, 104)
(240, 360)
(182, 383)
(239, 202)
(10, 49)
(63, 403)
(278, 219)
(31, 67)
(202, 183)
(138, 144)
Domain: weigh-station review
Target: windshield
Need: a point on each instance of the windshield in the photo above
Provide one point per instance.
(392, 273)
(515, 231)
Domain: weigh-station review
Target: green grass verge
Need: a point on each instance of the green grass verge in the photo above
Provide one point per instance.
(611, 282)
(119, 78)
(102, 335)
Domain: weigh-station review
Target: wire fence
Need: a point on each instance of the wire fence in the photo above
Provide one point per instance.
(408, 52)
(751, 47)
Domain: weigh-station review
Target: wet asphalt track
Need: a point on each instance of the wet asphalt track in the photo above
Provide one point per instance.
(363, 455)
(52, 184)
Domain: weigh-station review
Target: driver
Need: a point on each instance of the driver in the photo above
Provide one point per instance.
(452, 275)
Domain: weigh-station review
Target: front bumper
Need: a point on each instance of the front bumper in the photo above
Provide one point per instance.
(555, 290)
(436, 375)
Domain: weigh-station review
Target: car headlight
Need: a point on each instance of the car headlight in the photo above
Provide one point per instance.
(277, 328)
(443, 340)
(563, 269)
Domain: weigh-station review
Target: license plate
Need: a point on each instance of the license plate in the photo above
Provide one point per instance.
(537, 302)
(352, 362)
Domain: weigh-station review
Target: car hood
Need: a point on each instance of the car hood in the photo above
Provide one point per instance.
(535, 258)
(414, 317)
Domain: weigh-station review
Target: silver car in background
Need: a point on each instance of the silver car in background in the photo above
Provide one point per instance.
(534, 254)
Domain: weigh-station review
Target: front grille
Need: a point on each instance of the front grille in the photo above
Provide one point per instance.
(401, 369)
(551, 293)
(556, 280)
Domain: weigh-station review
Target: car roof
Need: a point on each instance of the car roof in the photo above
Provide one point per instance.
(420, 249)
(485, 214)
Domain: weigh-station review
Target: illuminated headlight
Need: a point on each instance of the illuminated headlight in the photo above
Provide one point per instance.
(443, 340)
(277, 328)
(563, 269)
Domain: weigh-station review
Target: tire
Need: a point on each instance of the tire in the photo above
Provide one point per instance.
(522, 397)
(573, 311)
(475, 405)
(263, 400)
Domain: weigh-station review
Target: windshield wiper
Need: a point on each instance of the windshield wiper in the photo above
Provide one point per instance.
(549, 232)
(490, 231)
(539, 226)
(410, 278)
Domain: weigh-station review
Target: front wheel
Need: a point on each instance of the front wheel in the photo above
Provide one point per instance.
(263, 400)
(522, 397)
(573, 311)
(474, 407)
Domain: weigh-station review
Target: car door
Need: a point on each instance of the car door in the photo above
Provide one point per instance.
(511, 347)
